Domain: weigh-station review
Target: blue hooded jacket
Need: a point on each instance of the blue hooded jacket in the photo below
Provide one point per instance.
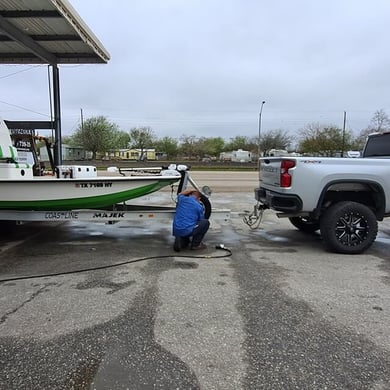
(188, 212)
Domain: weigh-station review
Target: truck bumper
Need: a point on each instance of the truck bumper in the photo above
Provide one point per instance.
(277, 201)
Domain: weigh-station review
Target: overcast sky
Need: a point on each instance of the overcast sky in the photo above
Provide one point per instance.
(203, 67)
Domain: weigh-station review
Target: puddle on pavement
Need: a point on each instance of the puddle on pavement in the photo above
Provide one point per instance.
(185, 265)
(120, 230)
(272, 237)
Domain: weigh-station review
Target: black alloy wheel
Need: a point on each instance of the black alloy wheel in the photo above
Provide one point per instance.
(348, 227)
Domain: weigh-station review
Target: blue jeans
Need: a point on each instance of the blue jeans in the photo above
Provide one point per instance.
(199, 232)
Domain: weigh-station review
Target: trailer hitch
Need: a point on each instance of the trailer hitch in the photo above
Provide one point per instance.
(254, 218)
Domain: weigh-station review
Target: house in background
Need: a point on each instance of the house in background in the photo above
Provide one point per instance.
(131, 154)
(68, 153)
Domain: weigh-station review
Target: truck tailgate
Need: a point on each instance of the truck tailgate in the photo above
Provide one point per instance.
(270, 172)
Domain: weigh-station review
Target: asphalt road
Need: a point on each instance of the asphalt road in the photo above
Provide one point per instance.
(277, 312)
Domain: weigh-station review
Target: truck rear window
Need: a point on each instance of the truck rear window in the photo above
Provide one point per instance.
(377, 146)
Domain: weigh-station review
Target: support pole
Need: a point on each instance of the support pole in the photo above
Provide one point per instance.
(260, 114)
(343, 146)
(57, 117)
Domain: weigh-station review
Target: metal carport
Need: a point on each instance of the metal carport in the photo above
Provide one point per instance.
(46, 32)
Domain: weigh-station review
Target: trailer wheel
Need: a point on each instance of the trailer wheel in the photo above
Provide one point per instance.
(206, 205)
(304, 224)
(348, 227)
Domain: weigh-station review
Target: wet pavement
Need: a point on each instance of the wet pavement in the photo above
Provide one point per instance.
(122, 310)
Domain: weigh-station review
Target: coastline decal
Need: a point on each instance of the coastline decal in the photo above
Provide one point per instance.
(71, 215)
(61, 215)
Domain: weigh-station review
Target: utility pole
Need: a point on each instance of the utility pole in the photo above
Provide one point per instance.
(82, 119)
(343, 145)
(261, 111)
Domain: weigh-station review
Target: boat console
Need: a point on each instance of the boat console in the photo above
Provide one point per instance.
(75, 171)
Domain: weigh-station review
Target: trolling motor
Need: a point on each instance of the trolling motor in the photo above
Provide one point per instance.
(185, 179)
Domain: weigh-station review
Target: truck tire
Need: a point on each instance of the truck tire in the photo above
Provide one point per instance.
(306, 225)
(206, 205)
(348, 227)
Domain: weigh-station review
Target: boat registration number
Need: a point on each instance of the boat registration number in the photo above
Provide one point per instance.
(92, 184)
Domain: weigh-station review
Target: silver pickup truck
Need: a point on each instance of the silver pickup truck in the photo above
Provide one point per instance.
(344, 198)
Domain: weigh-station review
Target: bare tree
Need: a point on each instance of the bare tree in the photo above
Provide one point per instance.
(380, 121)
(189, 146)
(275, 139)
(141, 138)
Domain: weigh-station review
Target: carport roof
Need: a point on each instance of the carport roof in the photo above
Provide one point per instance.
(46, 32)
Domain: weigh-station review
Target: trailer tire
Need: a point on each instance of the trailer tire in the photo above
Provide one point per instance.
(304, 224)
(348, 227)
(206, 205)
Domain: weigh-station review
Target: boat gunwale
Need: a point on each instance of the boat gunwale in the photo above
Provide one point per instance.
(44, 179)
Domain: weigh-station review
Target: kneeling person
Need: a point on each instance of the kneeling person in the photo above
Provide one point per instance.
(189, 221)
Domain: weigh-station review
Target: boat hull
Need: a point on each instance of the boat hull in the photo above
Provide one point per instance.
(73, 194)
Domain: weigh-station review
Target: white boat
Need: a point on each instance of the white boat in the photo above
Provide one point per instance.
(72, 187)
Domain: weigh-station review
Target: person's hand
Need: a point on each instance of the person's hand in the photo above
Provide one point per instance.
(187, 192)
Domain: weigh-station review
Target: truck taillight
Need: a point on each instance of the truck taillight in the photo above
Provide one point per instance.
(285, 177)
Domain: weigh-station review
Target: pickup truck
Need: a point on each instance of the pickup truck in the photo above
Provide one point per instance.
(344, 198)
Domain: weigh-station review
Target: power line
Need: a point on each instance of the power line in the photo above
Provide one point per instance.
(24, 108)
(20, 71)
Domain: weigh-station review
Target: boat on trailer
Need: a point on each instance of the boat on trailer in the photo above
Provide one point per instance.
(26, 187)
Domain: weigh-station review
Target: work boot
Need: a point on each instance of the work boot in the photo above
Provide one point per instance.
(177, 244)
(185, 242)
(200, 247)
